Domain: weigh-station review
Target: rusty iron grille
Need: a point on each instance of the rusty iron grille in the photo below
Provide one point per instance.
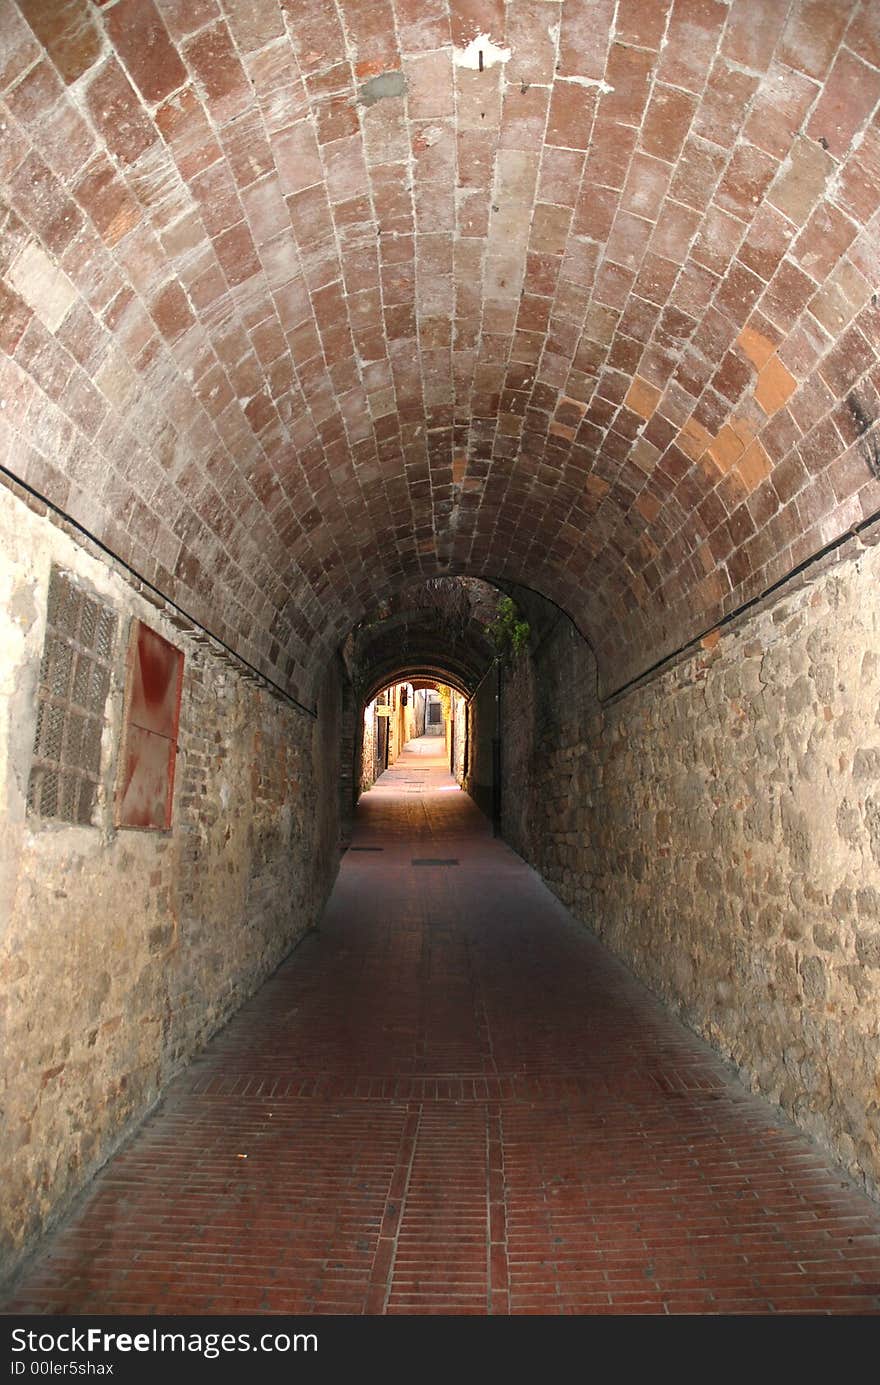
(71, 698)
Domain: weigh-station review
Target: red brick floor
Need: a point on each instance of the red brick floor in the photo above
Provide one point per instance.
(452, 1100)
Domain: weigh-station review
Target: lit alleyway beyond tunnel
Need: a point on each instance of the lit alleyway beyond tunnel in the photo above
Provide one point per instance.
(451, 1099)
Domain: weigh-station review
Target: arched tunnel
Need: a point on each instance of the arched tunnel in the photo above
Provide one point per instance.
(516, 357)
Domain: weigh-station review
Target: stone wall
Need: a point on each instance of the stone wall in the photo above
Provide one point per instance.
(401, 723)
(122, 951)
(719, 828)
(349, 776)
(368, 757)
(458, 733)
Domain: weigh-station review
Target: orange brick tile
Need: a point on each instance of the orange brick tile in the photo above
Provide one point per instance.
(753, 466)
(756, 346)
(726, 448)
(775, 386)
(694, 439)
(642, 397)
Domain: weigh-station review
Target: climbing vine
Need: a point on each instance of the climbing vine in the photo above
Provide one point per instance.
(508, 632)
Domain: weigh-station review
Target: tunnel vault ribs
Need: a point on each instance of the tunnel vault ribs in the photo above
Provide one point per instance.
(585, 301)
(435, 628)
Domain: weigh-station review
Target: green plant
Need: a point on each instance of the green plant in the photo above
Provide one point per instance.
(508, 632)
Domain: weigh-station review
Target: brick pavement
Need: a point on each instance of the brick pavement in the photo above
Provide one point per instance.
(452, 1100)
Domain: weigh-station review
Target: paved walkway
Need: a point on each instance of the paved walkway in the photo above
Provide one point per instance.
(452, 1100)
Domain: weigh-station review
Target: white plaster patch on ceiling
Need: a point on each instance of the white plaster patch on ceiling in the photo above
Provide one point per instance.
(480, 53)
(43, 285)
(586, 82)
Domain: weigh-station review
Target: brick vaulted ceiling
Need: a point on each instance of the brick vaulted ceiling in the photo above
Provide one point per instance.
(302, 299)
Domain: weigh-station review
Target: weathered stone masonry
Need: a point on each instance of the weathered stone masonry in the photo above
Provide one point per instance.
(122, 951)
(719, 828)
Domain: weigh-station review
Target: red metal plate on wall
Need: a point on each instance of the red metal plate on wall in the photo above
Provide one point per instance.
(149, 749)
(155, 683)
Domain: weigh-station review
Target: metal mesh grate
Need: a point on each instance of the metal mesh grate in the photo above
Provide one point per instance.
(74, 682)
